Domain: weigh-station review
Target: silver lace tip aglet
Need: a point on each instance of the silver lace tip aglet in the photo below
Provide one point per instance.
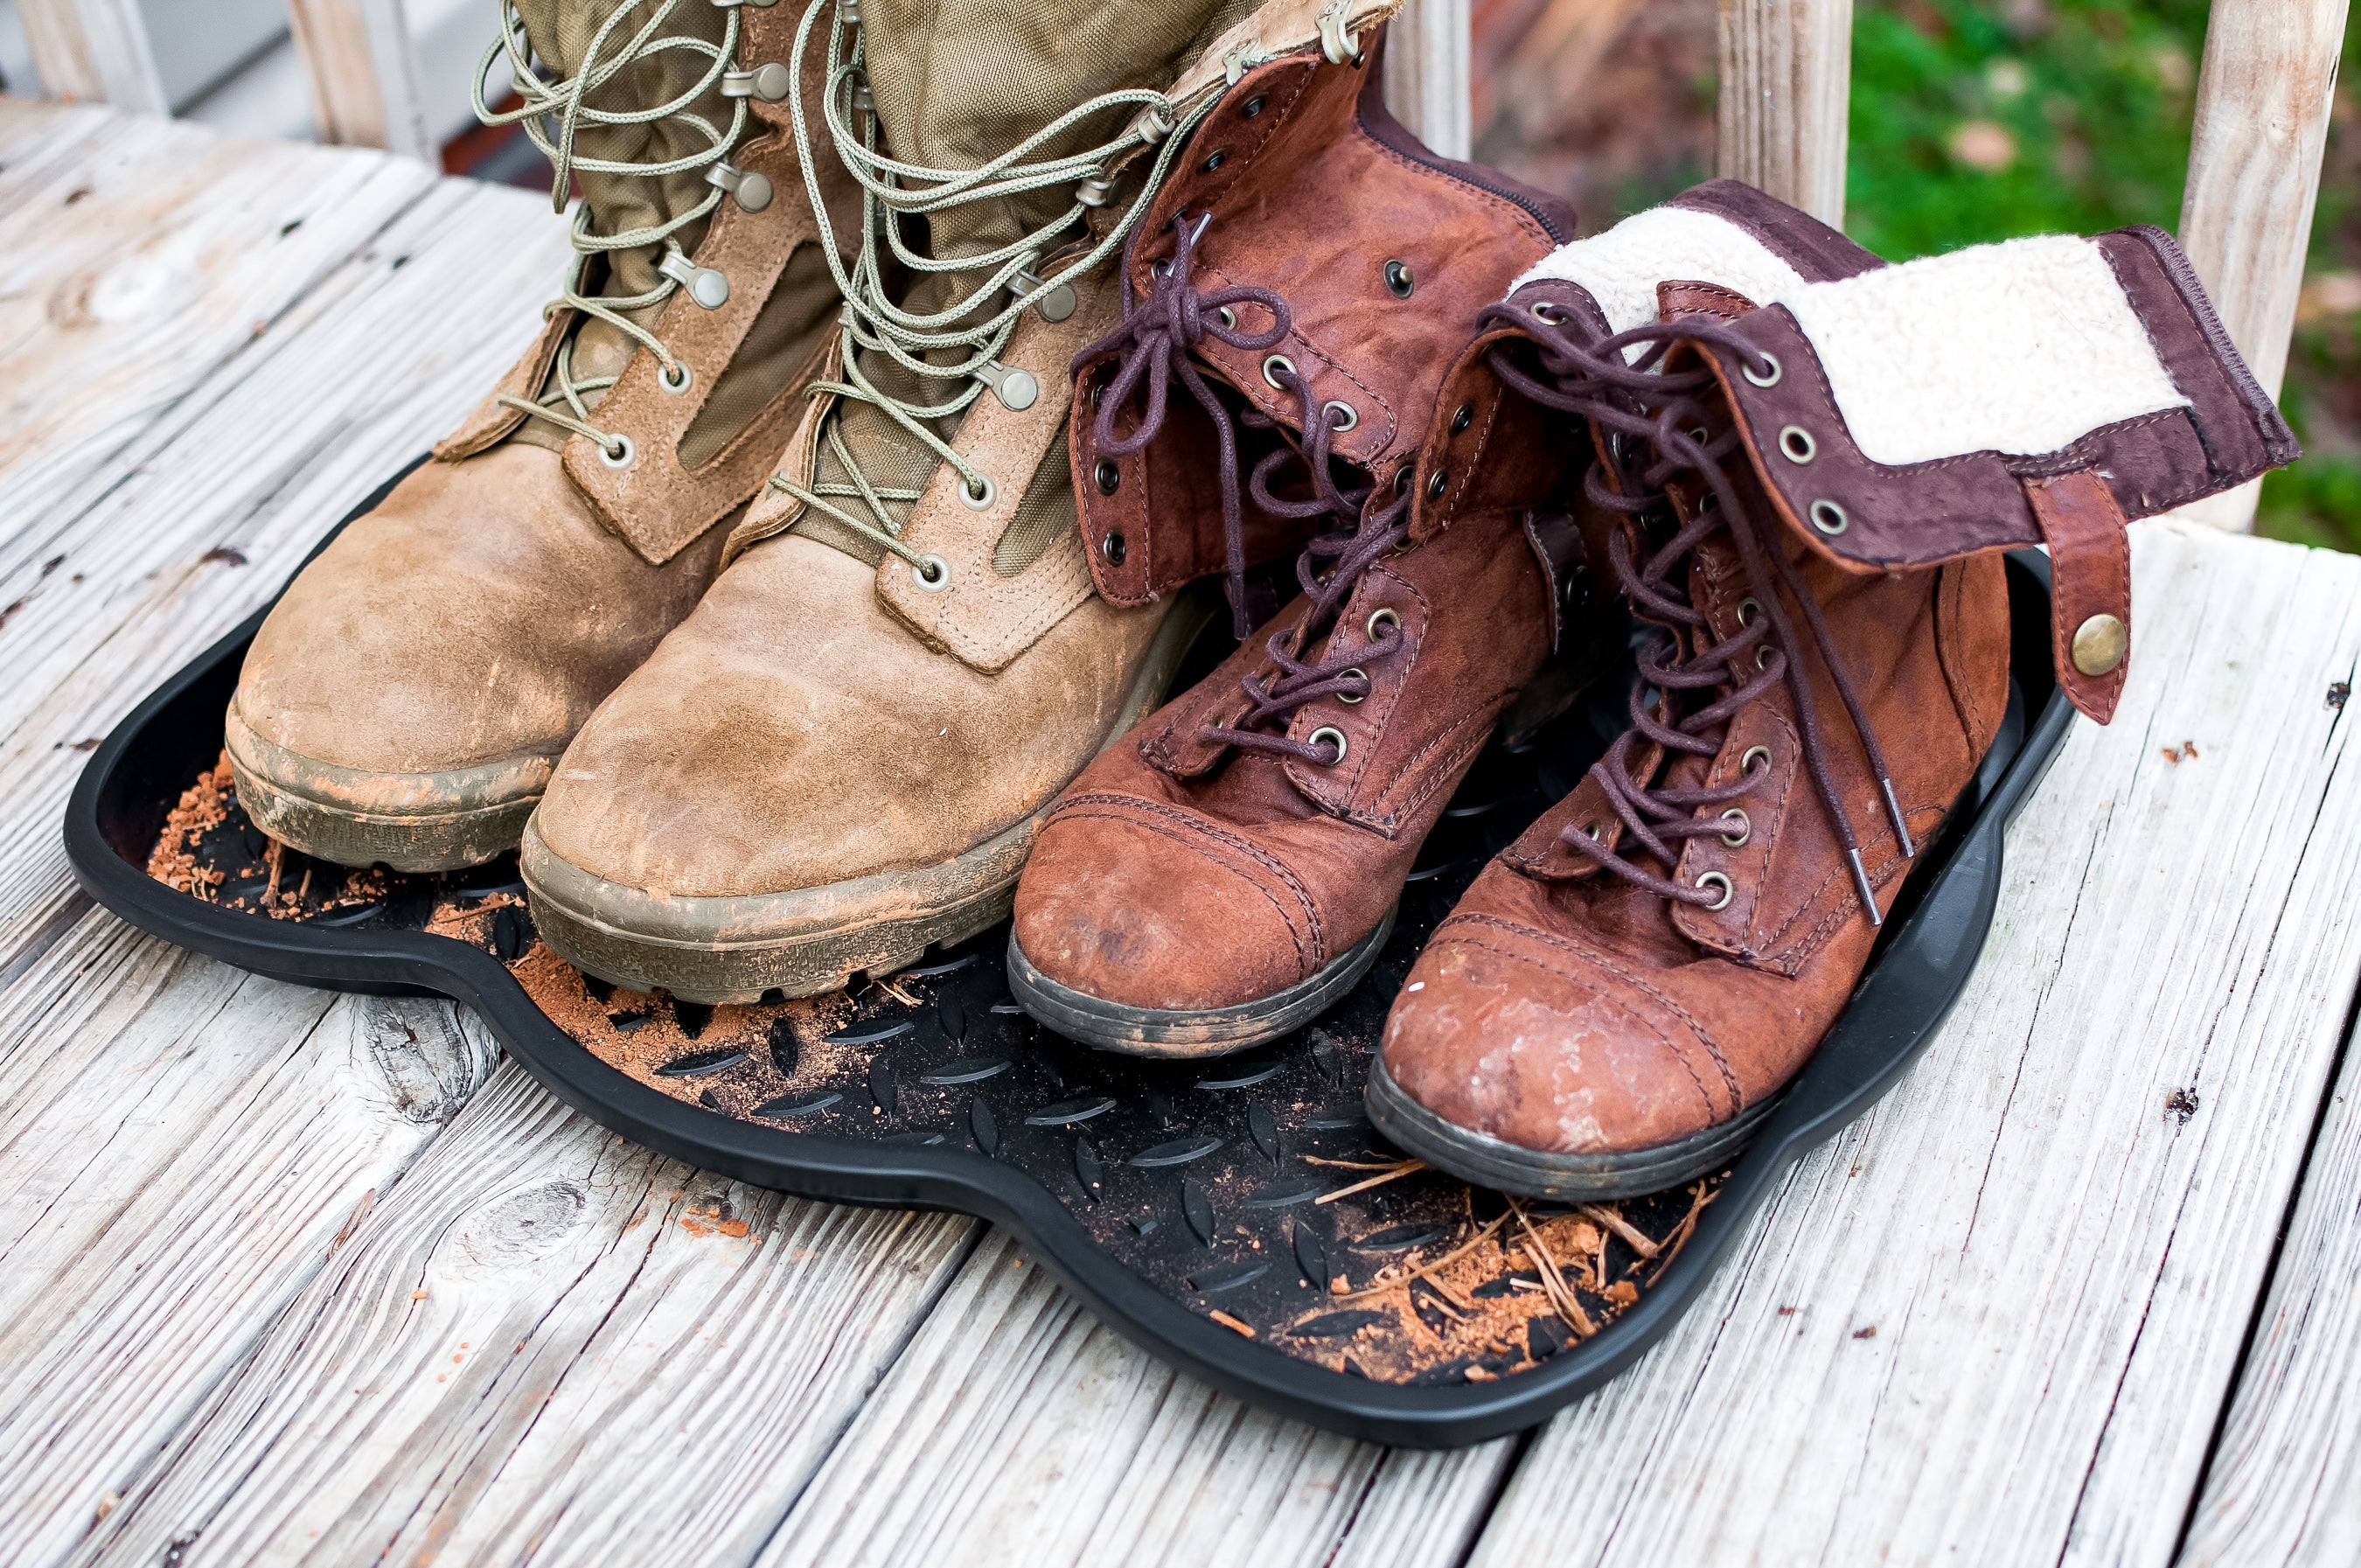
(1901, 828)
(1868, 894)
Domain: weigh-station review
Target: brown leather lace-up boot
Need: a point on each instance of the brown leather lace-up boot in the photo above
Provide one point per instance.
(1817, 491)
(844, 755)
(1232, 867)
(408, 698)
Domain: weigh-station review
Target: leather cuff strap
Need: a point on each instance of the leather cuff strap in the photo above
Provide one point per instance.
(2091, 590)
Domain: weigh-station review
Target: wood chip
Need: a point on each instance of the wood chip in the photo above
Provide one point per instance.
(1391, 1173)
(1632, 1236)
(1228, 1322)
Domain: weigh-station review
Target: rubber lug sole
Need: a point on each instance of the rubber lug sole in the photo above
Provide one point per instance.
(1181, 1033)
(1565, 1178)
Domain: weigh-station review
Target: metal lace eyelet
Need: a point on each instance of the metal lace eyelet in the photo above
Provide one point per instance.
(1745, 829)
(1383, 618)
(617, 452)
(664, 378)
(1698, 433)
(1347, 699)
(932, 573)
(1108, 474)
(1213, 162)
(979, 502)
(1111, 547)
(1590, 831)
(1228, 317)
(1436, 483)
(1770, 379)
(1401, 280)
(1797, 444)
(1747, 610)
(1829, 518)
(1544, 312)
(1462, 417)
(1746, 760)
(1716, 879)
(1341, 417)
(1706, 501)
(1763, 657)
(1253, 106)
(1335, 738)
(1274, 363)
(1159, 271)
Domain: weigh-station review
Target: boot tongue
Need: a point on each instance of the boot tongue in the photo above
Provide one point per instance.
(561, 32)
(957, 82)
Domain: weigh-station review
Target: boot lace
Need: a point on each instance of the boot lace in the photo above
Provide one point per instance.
(1152, 348)
(553, 112)
(1664, 426)
(971, 326)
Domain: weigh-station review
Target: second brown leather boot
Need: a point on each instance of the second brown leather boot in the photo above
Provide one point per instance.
(1231, 869)
(407, 699)
(1817, 490)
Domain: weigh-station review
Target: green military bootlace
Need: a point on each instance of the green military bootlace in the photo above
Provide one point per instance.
(555, 113)
(967, 336)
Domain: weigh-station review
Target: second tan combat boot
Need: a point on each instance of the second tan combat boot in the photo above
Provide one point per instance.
(844, 755)
(407, 701)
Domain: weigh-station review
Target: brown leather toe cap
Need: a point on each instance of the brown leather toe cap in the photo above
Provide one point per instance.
(1146, 905)
(1507, 1031)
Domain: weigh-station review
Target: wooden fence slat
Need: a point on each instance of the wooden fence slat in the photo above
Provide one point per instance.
(1786, 79)
(362, 62)
(1426, 74)
(93, 50)
(2263, 101)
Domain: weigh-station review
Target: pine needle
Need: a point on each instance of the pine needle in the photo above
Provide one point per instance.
(1391, 1173)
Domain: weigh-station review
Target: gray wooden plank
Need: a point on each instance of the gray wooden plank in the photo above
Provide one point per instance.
(546, 1342)
(1994, 1321)
(130, 273)
(2285, 1482)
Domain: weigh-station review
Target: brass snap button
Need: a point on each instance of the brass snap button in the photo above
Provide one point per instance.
(2100, 644)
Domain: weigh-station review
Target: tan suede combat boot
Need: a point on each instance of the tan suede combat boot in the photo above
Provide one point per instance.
(844, 755)
(409, 697)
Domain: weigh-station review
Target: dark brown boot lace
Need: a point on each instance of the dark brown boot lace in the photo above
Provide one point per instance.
(1662, 424)
(1152, 346)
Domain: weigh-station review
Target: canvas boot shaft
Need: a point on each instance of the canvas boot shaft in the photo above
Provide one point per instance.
(408, 698)
(904, 660)
(1820, 478)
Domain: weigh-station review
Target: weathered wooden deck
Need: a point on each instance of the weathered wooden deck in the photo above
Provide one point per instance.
(286, 1276)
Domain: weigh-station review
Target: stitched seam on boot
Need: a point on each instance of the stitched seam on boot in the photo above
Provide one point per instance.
(1617, 968)
(1790, 961)
(1118, 805)
(1662, 1039)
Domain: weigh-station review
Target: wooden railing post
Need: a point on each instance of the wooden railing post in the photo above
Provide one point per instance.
(363, 66)
(1426, 74)
(1786, 78)
(93, 51)
(2263, 99)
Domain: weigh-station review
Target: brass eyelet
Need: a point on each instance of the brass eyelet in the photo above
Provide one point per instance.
(1400, 279)
(1436, 483)
(1274, 363)
(1347, 699)
(1763, 657)
(1797, 443)
(1747, 610)
(1746, 760)
(1341, 417)
(1108, 474)
(1113, 547)
(1715, 878)
(1769, 379)
(1829, 518)
(1212, 164)
(1335, 738)
(1462, 417)
(1383, 618)
(1227, 317)
(1544, 312)
(1745, 829)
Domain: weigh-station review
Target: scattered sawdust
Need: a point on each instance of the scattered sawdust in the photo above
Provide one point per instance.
(202, 806)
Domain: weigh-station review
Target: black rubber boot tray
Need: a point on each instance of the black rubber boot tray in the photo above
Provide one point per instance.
(1237, 1217)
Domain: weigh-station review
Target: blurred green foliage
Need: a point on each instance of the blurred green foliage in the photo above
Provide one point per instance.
(1977, 120)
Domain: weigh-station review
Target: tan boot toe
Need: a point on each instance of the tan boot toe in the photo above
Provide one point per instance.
(409, 696)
